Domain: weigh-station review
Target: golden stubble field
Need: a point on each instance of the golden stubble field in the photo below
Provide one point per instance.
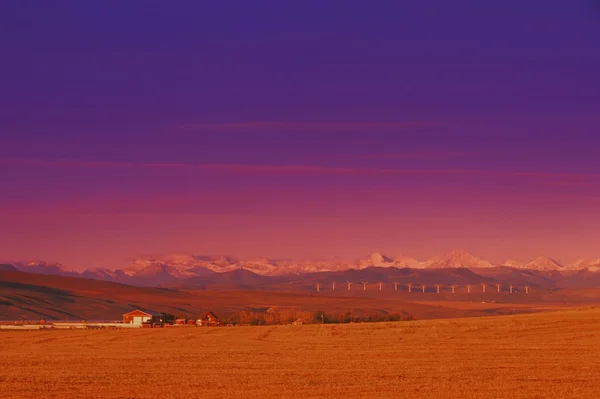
(543, 355)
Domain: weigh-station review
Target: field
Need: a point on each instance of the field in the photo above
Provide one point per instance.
(541, 355)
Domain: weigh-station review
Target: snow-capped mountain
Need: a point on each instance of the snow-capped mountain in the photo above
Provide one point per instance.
(513, 263)
(160, 269)
(376, 259)
(458, 258)
(179, 262)
(42, 267)
(99, 273)
(182, 266)
(584, 263)
(406, 261)
(543, 263)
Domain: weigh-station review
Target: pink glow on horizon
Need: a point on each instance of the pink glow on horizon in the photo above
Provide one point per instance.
(84, 240)
(295, 223)
(308, 169)
(103, 218)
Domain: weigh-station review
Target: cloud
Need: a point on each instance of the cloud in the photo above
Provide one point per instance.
(572, 183)
(563, 178)
(412, 155)
(70, 163)
(310, 126)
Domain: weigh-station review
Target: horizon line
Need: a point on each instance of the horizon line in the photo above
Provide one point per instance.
(355, 259)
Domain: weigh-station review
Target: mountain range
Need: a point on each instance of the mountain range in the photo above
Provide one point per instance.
(174, 268)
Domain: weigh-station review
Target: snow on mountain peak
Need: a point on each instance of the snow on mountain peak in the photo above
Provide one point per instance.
(377, 259)
(458, 258)
(43, 267)
(183, 265)
(406, 261)
(584, 263)
(41, 263)
(544, 263)
(513, 263)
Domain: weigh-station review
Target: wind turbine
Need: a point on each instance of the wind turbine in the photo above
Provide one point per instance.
(380, 286)
(333, 285)
(395, 286)
(318, 287)
(483, 286)
(409, 287)
(364, 283)
(423, 288)
(349, 284)
(498, 286)
(438, 288)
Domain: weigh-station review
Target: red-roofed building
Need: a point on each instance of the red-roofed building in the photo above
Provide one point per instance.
(139, 316)
(209, 319)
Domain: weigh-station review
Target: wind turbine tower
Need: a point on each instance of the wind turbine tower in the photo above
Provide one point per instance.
(349, 285)
(364, 283)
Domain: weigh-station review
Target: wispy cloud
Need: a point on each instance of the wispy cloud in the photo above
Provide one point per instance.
(310, 126)
(572, 183)
(412, 155)
(564, 178)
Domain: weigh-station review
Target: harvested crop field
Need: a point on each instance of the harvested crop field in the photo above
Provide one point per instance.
(543, 355)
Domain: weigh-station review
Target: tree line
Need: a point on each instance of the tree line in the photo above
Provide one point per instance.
(267, 316)
(318, 317)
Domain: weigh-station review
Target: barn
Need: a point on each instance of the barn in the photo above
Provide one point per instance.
(140, 316)
(209, 319)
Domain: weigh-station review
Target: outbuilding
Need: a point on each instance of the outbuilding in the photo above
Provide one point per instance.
(209, 319)
(141, 316)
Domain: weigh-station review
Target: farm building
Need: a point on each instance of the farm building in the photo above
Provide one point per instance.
(209, 319)
(138, 317)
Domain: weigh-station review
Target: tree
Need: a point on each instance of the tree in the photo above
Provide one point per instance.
(168, 318)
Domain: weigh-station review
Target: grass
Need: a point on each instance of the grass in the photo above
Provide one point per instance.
(542, 355)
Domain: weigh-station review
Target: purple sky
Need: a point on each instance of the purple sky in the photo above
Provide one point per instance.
(299, 129)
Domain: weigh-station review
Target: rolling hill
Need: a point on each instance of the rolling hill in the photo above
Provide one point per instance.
(32, 296)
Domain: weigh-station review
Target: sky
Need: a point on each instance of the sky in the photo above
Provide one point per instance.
(299, 129)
